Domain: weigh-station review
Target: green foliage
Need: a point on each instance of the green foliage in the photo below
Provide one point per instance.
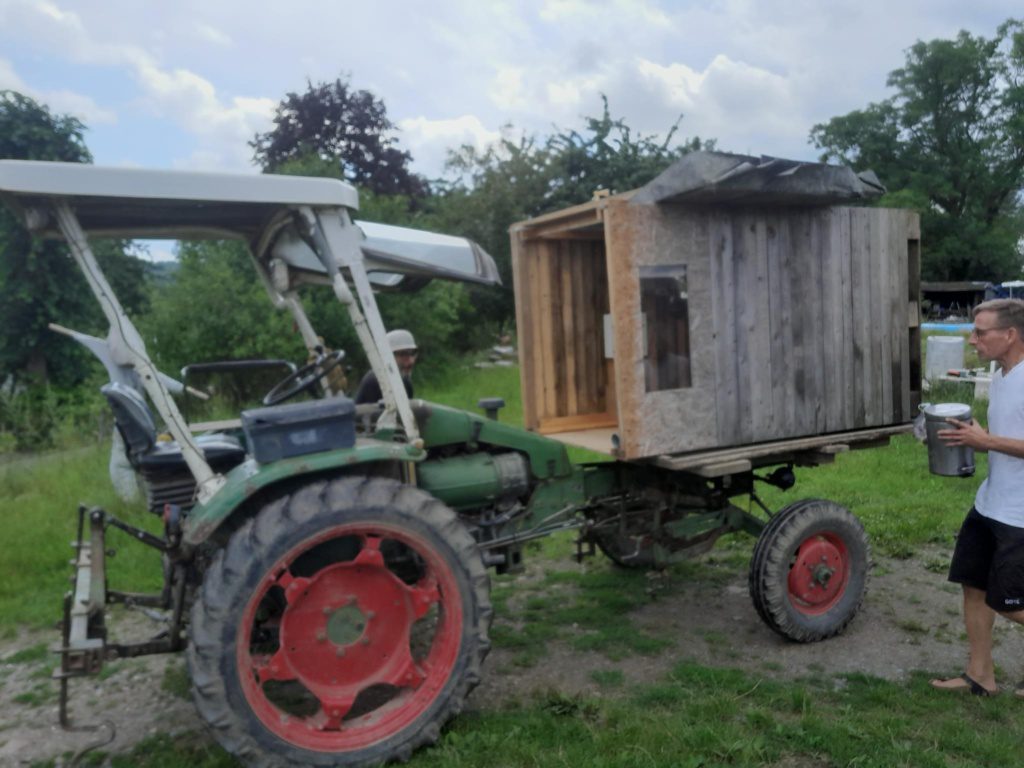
(38, 283)
(949, 143)
(40, 416)
(334, 123)
(215, 308)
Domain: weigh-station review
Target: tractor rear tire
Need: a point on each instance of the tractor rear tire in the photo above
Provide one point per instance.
(343, 625)
(809, 571)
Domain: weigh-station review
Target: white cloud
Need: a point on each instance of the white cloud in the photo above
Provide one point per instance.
(157, 250)
(77, 104)
(678, 83)
(221, 126)
(9, 78)
(577, 11)
(211, 34)
(429, 140)
(61, 102)
(507, 89)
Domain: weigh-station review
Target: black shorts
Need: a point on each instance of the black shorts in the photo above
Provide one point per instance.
(989, 556)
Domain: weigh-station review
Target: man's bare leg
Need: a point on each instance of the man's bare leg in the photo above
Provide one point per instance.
(978, 620)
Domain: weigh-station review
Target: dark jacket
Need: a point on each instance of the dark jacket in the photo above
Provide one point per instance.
(368, 390)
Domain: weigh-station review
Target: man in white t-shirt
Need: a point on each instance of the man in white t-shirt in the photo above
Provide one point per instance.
(988, 561)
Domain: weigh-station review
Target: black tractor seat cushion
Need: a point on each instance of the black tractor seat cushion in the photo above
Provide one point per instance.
(222, 452)
(136, 425)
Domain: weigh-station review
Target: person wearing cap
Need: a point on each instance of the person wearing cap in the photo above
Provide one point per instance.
(403, 346)
(988, 560)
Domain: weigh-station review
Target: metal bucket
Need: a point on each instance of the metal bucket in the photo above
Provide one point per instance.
(944, 459)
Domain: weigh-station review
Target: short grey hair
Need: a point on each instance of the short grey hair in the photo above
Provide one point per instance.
(1009, 312)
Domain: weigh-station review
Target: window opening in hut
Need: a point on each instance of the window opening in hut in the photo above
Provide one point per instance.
(664, 302)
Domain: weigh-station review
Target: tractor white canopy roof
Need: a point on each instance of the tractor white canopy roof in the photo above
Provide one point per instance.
(142, 203)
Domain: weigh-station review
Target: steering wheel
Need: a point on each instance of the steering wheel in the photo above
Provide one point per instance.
(304, 378)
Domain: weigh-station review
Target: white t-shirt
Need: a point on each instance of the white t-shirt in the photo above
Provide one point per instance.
(1001, 496)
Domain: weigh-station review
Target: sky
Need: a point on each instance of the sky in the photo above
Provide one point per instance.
(187, 84)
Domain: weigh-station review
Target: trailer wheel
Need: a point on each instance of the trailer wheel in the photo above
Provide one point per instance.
(342, 626)
(809, 570)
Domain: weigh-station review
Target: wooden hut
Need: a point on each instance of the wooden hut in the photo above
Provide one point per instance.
(733, 301)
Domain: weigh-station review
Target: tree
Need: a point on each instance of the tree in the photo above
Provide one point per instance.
(336, 123)
(215, 308)
(38, 282)
(517, 179)
(951, 142)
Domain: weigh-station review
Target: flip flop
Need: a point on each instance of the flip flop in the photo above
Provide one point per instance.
(972, 686)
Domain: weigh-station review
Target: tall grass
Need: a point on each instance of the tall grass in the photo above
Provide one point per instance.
(39, 497)
(463, 386)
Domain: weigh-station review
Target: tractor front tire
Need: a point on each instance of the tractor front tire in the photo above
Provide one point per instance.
(343, 625)
(809, 571)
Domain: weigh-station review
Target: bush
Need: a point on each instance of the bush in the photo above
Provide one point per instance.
(38, 417)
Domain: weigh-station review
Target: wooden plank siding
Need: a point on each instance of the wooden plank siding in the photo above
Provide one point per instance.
(801, 321)
(562, 295)
(523, 277)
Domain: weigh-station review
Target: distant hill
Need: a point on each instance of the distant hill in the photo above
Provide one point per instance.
(161, 272)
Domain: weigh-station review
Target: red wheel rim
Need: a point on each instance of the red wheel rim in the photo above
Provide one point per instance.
(818, 574)
(350, 637)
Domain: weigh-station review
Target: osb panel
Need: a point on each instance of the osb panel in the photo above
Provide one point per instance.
(672, 420)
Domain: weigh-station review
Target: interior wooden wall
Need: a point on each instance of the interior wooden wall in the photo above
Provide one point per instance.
(561, 298)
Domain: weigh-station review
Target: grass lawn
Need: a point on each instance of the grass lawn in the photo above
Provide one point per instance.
(695, 716)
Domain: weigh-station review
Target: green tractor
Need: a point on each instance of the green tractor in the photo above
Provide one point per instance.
(326, 566)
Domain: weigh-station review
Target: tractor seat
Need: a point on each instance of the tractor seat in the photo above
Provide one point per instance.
(135, 423)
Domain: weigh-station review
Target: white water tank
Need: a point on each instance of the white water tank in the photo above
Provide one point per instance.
(943, 353)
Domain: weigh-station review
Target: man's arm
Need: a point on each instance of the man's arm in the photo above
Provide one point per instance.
(971, 434)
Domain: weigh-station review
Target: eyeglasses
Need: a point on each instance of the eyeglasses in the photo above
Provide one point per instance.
(980, 332)
(407, 353)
